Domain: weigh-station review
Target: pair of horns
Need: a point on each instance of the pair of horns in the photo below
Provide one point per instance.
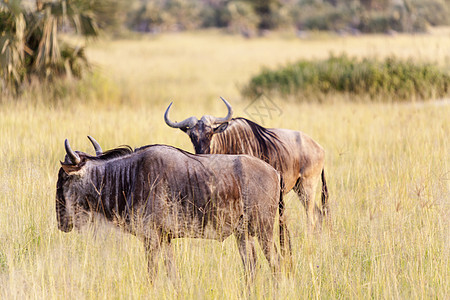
(191, 121)
(74, 157)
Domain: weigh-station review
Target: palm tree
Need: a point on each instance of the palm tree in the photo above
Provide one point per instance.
(29, 42)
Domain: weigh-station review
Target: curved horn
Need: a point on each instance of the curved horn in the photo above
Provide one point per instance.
(189, 122)
(72, 155)
(98, 149)
(229, 115)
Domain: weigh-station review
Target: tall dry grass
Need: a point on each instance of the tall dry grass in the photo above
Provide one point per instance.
(387, 169)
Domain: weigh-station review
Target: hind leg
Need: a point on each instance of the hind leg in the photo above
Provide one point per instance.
(286, 250)
(262, 224)
(265, 238)
(306, 191)
(246, 245)
(325, 205)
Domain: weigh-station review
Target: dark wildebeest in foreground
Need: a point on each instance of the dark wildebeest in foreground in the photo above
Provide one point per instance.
(159, 192)
(298, 158)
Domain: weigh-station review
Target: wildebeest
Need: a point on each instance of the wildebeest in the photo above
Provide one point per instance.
(298, 158)
(159, 192)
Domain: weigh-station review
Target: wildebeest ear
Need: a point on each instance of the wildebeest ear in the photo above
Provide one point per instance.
(70, 169)
(221, 128)
(184, 129)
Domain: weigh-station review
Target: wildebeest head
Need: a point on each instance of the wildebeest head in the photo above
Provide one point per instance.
(69, 173)
(201, 131)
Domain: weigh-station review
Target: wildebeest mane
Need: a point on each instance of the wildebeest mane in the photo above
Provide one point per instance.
(125, 150)
(247, 137)
(114, 153)
(264, 137)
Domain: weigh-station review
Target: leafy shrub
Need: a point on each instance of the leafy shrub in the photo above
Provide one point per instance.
(405, 16)
(381, 23)
(165, 15)
(433, 12)
(242, 18)
(378, 16)
(391, 78)
(322, 16)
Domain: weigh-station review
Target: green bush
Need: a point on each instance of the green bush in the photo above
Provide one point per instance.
(390, 79)
(381, 23)
(406, 16)
(433, 12)
(245, 16)
(165, 15)
(322, 16)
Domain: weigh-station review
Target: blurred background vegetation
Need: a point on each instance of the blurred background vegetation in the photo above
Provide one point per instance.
(32, 50)
(251, 17)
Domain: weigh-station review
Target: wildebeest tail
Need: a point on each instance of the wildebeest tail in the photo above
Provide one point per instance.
(325, 206)
(284, 233)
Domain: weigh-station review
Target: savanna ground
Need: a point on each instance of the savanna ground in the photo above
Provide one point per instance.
(387, 168)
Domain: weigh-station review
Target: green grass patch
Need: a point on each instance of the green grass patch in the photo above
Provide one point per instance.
(391, 79)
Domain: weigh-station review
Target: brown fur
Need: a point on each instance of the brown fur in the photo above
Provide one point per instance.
(298, 158)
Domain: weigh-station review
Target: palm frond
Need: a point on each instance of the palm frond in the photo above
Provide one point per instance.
(29, 43)
(12, 46)
(48, 53)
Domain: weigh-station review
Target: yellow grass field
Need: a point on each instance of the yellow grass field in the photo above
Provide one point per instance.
(387, 168)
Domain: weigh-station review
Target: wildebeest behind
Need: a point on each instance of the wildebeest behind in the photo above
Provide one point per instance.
(298, 158)
(158, 192)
